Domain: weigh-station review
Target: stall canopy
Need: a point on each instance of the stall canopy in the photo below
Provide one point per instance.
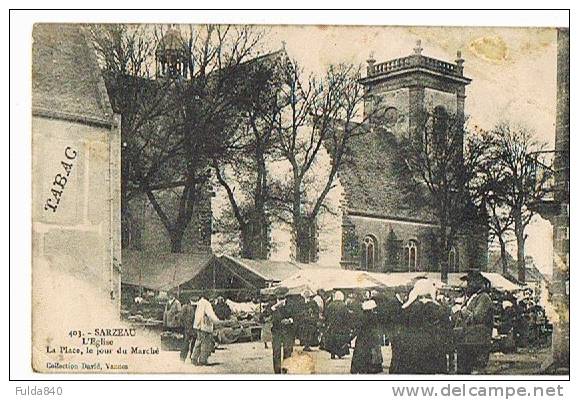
(498, 281)
(328, 279)
(204, 270)
(163, 271)
(315, 279)
(265, 273)
(263, 270)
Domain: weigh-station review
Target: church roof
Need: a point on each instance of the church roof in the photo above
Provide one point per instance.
(147, 86)
(66, 79)
(377, 182)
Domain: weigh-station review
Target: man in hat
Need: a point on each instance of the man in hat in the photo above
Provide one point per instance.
(283, 328)
(475, 323)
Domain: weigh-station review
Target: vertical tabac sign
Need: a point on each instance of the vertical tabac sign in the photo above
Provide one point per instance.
(61, 179)
(58, 188)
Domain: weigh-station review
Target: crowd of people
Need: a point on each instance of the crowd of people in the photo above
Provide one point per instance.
(427, 334)
(521, 322)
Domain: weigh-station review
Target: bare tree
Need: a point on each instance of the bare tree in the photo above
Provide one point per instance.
(174, 125)
(243, 167)
(207, 115)
(245, 172)
(317, 116)
(489, 190)
(524, 185)
(500, 223)
(444, 165)
(126, 53)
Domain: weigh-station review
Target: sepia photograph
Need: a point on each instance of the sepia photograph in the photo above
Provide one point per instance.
(300, 199)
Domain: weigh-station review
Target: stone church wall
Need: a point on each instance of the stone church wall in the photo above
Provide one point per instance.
(148, 233)
(434, 98)
(380, 230)
(391, 238)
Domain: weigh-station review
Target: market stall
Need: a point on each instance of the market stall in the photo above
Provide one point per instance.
(330, 279)
(327, 279)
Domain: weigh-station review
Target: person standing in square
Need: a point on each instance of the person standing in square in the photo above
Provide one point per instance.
(203, 323)
(187, 319)
(283, 329)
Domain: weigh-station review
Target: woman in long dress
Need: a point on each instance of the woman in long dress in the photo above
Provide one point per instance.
(367, 358)
(308, 321)
(424, 335)
(338, 324)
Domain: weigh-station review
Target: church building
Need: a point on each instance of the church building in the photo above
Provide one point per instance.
(385, 226)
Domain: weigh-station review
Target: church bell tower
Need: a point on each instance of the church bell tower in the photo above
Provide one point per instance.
(172, 56)
(406, 88)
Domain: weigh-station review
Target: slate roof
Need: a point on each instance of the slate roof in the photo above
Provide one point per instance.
(377, 181)
(66, 78)
(163, 271)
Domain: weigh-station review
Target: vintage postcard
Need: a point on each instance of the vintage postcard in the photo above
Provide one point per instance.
(245, 199)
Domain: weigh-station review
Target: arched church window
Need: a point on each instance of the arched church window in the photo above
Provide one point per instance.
(452, 260)
(411, 255)
(369, 252)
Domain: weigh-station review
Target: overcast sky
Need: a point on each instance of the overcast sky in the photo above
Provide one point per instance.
(513, 73)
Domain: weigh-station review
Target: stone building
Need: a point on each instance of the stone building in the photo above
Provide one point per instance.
(146, 231)
(554, 206)
(561, 219)
(387, 226)
(75, 165)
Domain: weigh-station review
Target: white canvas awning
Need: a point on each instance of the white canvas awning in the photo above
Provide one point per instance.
(329, 279)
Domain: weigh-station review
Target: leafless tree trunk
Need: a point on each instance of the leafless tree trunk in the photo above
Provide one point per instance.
(525, 185)
(248, 154)
(125, 53)
(317, 116)
(435, 156)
